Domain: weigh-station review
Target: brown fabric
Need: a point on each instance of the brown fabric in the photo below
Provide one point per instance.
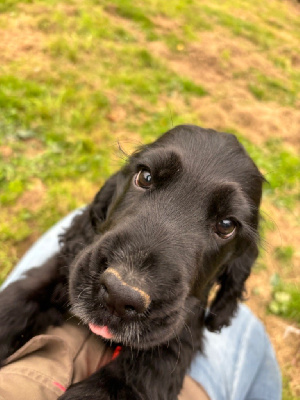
(48, 363)
(192, 390)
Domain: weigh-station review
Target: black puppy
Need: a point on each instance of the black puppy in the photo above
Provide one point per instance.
(138, 264)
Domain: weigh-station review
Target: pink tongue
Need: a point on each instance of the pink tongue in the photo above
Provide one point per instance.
(101, 331)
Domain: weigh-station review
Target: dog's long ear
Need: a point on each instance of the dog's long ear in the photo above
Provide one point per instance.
(98, 208)
(232, 288)
(82, 232)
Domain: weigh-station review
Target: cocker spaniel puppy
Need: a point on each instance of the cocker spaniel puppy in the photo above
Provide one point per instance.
(138, 264)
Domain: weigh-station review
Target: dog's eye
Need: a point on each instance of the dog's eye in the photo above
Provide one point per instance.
(143, 179)
(225, 228)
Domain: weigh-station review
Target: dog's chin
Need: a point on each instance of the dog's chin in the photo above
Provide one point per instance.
(135, 334)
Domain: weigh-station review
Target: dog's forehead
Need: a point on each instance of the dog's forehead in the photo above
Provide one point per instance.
(200, 143)
(202, 160)
(204, 152)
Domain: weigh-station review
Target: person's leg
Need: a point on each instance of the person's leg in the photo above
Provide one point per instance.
(239, 363)
(44, 248)
(47, 364)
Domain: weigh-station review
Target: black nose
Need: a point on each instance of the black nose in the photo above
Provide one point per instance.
(120, 297)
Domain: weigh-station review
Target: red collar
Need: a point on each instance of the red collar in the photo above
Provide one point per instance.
(116, 352)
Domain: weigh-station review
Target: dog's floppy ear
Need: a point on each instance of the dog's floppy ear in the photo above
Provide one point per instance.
(98, 208)
(81, 232)
(231, 290)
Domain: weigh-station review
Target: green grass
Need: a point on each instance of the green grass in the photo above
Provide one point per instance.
(284, 254)
(286, 300)
(286, 390)
(280, 166)
(252, 31)
(265, 88)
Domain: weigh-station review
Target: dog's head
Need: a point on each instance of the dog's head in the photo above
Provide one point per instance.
(180, 216)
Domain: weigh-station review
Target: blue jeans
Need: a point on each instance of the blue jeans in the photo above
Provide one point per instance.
(239, 363)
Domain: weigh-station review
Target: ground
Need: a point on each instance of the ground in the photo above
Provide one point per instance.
(81, 79)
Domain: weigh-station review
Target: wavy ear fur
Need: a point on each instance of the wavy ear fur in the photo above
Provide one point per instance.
(232, 288)
(82, 230)
(98, 208)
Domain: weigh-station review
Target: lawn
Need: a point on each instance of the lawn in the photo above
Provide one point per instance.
(80, 79)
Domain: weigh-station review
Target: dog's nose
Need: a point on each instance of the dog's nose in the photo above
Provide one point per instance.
(120, 297)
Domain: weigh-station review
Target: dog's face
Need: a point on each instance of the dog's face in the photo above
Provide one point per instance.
(181, 215)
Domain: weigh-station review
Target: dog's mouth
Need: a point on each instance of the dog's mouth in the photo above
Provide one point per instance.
(150, 330)
(126, 314)
(163, 319)
(128, 337)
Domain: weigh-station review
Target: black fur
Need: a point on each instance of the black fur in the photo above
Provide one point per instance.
(165, 238)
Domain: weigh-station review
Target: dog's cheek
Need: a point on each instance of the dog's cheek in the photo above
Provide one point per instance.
(73, 288)
(78, 278)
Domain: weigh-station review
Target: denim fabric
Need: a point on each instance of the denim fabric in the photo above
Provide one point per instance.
(239, 363)
(42, 249)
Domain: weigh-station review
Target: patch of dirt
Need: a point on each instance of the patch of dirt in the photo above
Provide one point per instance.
(32, 198)
(20, 39)
(23, 246)
(296, 61)
(117, 114)
(165, 24)
(34, 147)
(6, 151)
(217, 56)
(294, 5)
(215, 63)
(257, 121)
(286, 233)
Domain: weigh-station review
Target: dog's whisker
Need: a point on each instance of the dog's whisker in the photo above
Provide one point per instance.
(82, 291)
(70, 317)
(190, 332)
(178, 352)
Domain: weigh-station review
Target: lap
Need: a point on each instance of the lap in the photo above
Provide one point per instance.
(45, 366)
